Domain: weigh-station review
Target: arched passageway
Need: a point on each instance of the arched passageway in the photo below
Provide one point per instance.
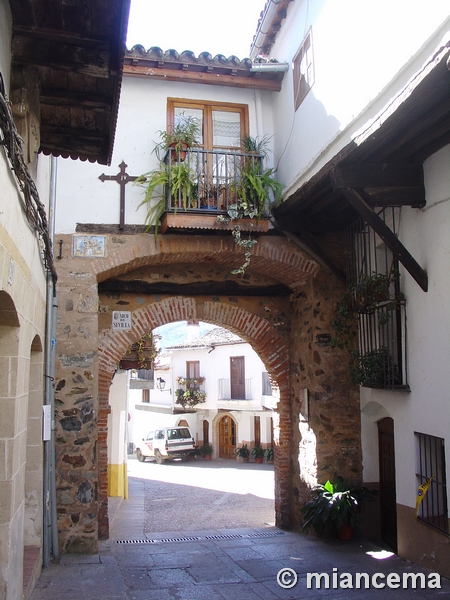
(270, 346)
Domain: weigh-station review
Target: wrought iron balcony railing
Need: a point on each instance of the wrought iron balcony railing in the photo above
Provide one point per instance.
(206, 180)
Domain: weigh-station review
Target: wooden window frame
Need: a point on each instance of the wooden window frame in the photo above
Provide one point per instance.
(208, 107)
(303, 81)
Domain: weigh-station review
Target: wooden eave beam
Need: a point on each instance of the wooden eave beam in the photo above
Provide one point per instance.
(385, 184)
(87, 59)
(207, 78)
(309, 244)
(79, 100)
(357, 200)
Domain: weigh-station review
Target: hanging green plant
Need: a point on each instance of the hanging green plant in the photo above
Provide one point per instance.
(374, 369)
(365, 296)
(145, 350)
(256, 189)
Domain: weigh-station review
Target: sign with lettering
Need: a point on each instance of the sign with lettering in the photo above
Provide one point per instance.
(121, 319)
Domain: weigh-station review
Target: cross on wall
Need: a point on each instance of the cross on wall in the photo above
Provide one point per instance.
(122, 179)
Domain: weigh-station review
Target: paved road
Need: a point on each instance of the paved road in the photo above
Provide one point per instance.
(201, 494)
(176, 538)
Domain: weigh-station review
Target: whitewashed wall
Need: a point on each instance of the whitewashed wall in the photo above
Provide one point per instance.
(359, 47)
(426, 234)
(83, 198)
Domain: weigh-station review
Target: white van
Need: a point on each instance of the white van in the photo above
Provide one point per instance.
(166, 443)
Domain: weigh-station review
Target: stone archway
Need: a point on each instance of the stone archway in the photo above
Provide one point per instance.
(286, 328)
(266, 341)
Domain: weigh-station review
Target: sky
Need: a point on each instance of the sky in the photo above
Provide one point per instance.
(218, 27)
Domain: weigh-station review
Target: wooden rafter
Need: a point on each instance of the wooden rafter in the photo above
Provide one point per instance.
(358, 201)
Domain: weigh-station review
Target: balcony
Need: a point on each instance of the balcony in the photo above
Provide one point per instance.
(237, 396)
(190, 392)
(201, 189)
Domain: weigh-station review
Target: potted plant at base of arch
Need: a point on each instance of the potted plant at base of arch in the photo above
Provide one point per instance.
(243, 453)
(206, 451)
(269, 454)
(258, 453)
(334, 507)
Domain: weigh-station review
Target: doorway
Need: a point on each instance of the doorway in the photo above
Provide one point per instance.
(388, 500)
(227, 437)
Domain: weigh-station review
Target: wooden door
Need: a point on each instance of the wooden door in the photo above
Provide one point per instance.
(237, 377)
(388, 500)
(227, 438)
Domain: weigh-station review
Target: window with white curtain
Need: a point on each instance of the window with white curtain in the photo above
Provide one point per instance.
(222, 125)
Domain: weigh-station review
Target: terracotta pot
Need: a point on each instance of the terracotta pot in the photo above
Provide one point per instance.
(259, 460)
(208, 457)
(345, 532)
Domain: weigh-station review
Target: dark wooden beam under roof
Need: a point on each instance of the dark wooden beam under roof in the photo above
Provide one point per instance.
(78, 55)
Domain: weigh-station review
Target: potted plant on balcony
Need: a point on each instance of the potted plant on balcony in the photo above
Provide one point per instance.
(243, 453)
(206, 451)
(374, 369)
(334, 507)
(258, 453)
(364, 296)
(183, 134)
(174, 178)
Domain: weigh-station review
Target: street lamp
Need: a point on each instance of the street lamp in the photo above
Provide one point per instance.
(161, 384)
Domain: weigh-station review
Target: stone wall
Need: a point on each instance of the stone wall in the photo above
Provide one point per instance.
(325, 407)
(281, 329)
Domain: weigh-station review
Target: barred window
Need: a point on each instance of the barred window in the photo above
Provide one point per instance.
(373, 291)
(431, 463)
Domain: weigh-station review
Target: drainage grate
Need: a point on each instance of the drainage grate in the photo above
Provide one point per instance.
(264, 534)
(237, 536)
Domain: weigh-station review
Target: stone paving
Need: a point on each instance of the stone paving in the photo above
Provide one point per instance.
(220, 562)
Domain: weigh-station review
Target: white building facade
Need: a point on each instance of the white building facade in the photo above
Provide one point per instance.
(238, 396)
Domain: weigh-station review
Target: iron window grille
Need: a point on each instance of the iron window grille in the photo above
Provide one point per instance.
(382, 334)
(431, 463)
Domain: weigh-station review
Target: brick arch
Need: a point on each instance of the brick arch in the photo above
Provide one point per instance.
(262, 336)
(274, 257)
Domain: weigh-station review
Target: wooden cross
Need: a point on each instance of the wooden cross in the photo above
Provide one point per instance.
(122, 179)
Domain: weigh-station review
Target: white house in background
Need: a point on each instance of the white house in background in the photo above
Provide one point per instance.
(225, 373)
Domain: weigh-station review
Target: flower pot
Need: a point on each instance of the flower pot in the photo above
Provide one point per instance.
(259, 460)
(346, 532)
(207, 456)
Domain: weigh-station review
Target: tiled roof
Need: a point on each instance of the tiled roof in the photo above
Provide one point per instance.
(171, 65)
(215, 337)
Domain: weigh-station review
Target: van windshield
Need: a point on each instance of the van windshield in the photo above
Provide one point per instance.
(176, 434)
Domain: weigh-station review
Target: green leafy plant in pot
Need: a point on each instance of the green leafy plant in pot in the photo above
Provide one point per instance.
(374, 369)
(206, 451)
(258, 453)
(269, 454)
(334, 507)
(174, 178)
(183, 134)
(243, 452)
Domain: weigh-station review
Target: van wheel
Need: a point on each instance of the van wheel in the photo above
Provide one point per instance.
(140, 456)
(158, 457)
